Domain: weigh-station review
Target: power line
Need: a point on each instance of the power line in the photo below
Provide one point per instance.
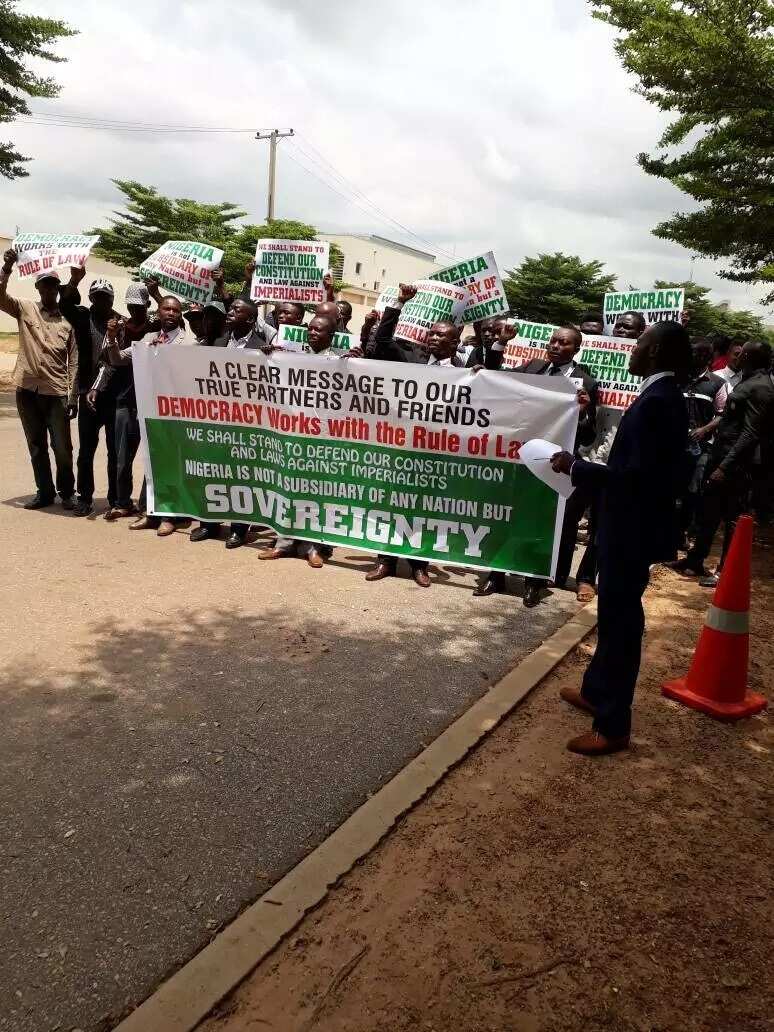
(353, 195)
(115, 128)
(352, 186)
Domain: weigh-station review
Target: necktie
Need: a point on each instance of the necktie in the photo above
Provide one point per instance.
(555, 370)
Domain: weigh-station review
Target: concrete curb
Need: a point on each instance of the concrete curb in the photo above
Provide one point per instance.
(189, 995)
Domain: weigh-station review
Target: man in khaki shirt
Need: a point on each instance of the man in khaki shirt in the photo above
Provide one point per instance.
(45, 378)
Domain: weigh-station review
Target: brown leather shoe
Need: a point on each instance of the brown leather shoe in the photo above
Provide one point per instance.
(144, 523)
(274, 553)
(585, 593)
(381, 571)
(421, 578)
(117, 514)
(314, 559)
(166, 527)
(572, 695)
(592, 743)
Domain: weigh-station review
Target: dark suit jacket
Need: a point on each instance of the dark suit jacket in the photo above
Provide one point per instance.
(79, 317)
(387, 349)
(644, 476)
(486, 357)
(587, 423)
(748, 419)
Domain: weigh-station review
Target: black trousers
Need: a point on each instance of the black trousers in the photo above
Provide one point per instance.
(41, 415)
(236, 528)
(90, 422)
(722, 502)
(610, 677)
(392, 562)
(127, 438)
(574, 508)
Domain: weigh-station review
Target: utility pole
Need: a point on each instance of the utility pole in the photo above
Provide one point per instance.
(272, 137)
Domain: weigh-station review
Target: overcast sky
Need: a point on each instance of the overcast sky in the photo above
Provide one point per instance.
(504, 125)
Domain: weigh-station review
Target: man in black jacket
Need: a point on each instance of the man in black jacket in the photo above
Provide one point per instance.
(637, 494)
(90, 326)
(490, 344)
(748, 419)
(561, 350)
(440, 349)
(701, 393)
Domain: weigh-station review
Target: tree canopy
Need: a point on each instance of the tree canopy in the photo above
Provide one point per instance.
(707, 318)
(23, 36)
(556, 288)
(151, 219)
(711, 63)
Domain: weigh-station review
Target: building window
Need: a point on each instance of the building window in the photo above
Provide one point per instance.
(384, 273)
(376, 284)
(358, 268)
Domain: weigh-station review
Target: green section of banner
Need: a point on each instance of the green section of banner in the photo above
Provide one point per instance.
(459, 510)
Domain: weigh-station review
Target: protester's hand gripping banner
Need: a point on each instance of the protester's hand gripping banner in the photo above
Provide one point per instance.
(607, 360)
(290, 270)
(481, 278)
(296, 338)
(184, 268)
(656, 305)
(433, 302)
(40, 252)
(402, 459)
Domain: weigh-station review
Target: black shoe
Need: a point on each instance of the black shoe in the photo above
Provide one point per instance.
(202, 534)
(68, 503)
(234, 540)
(494, 583)
(710, 581)
(532, 596)
(38, 503)
(687, 569)
(81, 507)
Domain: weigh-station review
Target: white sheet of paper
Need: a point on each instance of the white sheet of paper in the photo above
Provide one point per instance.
(536, 456)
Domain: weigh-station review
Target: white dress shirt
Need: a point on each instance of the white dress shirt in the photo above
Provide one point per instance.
(652, 379)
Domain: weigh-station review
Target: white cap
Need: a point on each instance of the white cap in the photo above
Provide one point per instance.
(48, 274)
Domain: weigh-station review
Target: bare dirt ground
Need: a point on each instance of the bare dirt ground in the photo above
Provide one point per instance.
(537, 891)
(9, 346)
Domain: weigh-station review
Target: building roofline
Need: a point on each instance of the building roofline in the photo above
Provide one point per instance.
(384, 241)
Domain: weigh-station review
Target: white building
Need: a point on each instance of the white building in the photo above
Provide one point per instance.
(372, 263)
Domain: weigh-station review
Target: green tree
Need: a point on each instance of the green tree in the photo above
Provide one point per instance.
(151, 219)
(711, 63)
(707, 318)
(23, 36)
(556, 288)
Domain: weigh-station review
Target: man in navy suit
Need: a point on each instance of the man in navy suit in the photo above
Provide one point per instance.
(638, 526)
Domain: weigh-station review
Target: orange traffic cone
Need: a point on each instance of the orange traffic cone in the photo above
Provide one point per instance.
(717, 681)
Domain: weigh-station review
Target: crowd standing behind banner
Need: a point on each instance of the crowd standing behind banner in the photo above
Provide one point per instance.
(77, 360)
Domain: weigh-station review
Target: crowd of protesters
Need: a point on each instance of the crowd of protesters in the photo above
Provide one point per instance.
(693, 451)
(75, 362)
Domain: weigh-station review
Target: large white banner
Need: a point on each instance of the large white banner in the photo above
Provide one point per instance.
(405, 459)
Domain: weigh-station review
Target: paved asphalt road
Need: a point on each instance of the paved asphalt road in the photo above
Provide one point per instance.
(182, 724)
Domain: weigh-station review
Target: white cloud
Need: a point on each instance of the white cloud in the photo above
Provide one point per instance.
(499, 125)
